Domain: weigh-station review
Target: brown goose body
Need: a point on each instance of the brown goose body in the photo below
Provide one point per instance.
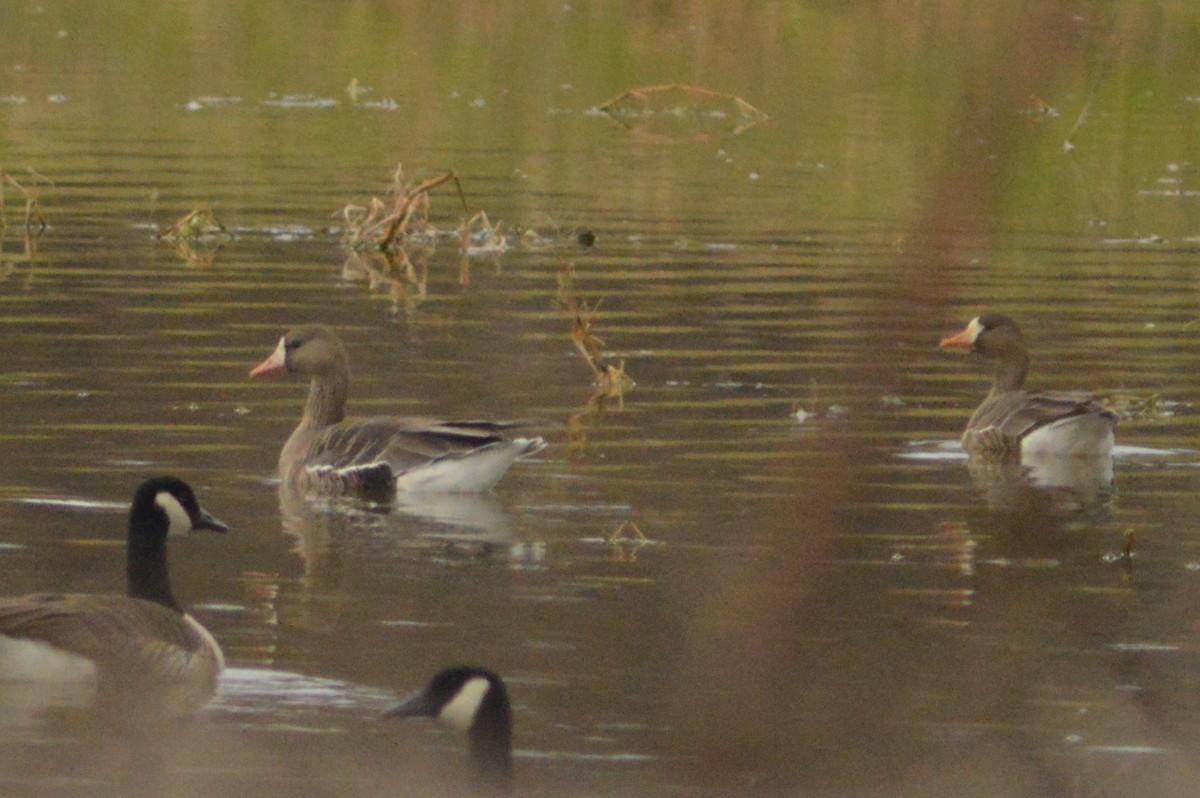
(1012, 422)
(123, 640)
(142, 641)
(329, 452)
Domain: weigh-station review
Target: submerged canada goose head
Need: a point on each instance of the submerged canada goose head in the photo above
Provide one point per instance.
(475, 701)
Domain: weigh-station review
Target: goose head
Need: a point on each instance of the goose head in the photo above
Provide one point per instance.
(167, 506)
(997, 338)
(475, 701)
(311, 350)
(162, 506)
(991, 335)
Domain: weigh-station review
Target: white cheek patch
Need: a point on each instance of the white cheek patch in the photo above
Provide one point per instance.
(459, 714)
(179, 522)
(975, 328)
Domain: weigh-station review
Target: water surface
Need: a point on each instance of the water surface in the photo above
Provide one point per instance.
(827, 599)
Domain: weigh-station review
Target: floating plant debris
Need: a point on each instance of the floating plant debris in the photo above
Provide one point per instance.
(33, 212)
(195, 235)
(401, 214)
(299, 101)
(478, 236)
(698, 111)
(202, 103)
(196, 225)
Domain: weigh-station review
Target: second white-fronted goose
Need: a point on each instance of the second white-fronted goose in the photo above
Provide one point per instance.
(330, 452)
(142, 642)
(1014, 422)
(471, 700)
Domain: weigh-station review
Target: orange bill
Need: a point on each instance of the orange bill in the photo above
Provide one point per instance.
(275, 364)
(961, 341)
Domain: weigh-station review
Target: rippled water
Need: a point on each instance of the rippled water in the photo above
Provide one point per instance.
(768, 566)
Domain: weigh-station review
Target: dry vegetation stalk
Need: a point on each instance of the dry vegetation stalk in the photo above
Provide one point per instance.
(194, 226)
(402, 213)
(608, 376)
(33, 212)
(397, 222)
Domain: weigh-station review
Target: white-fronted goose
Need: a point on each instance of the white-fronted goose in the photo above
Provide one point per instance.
(1012, 421)
(330, 452)
(143, 641)
(471, 700)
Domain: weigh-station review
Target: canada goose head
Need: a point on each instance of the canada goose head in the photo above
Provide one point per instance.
(311, 350)
(162, 506)
(475, 701)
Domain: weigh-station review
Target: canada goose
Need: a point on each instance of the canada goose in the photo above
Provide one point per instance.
(332, 453)
(473, 700)
(1012, 421)
(143, 640)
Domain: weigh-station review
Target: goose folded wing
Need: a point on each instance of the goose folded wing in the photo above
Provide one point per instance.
(1014, 415)
(122, 635)
(390, 447)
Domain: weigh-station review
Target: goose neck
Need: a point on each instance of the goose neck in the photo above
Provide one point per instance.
(1010, 372)
(491, 746)
(326, 403)
(147, 574)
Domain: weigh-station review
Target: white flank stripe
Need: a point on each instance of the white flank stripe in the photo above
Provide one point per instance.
(474, 473)
(209, 640)
(35, 661)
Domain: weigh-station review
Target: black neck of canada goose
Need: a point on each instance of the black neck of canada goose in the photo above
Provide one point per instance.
(161, 505)
(490, 738)
(474, 700)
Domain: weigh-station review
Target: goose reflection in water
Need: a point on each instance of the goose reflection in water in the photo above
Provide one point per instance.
(1062, 482)
(442, 525)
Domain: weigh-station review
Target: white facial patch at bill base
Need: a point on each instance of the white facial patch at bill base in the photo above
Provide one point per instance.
(975, 328)
(179, 522)
(459, 712)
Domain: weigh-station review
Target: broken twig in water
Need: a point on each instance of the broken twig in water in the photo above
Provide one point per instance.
(33, 211)
(403, 212)
(200, 223)
(693, 105)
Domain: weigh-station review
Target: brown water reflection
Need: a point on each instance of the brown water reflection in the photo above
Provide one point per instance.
(831, 601)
